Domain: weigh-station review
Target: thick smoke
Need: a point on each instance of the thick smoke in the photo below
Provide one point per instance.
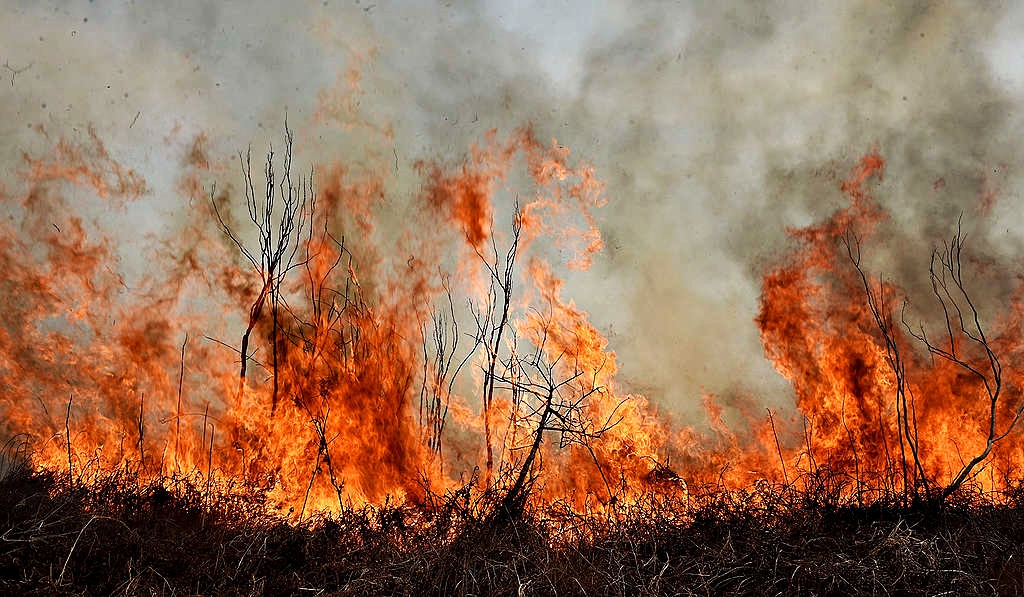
(716, 124)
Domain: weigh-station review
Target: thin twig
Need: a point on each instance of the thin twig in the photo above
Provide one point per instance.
(60, 578)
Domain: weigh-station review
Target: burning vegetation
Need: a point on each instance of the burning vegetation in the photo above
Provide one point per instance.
(274, 376)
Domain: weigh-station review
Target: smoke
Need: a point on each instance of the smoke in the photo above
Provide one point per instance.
(716, 125)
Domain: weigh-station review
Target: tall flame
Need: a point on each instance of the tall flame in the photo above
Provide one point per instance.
(359, 360)
(101, 376)
(881, 410)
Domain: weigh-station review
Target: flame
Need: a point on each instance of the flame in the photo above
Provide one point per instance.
(101, 376)
(819, 332)
(360, 361)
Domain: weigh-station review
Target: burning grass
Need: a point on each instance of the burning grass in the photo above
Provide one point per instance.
(115, 536)
(277, 409)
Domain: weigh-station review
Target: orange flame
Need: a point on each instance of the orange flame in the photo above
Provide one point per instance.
(102, 376)
(863, 423)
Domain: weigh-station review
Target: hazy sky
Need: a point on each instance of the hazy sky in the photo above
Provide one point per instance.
(716, 125)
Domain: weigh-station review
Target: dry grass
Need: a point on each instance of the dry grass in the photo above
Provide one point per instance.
(113, 537)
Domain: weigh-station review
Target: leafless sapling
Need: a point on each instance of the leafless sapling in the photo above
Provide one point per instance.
(440, 370)
(963, 327)
(280, 214)
(964, 343)
(492, 323)
(879, 304)
(550, 395)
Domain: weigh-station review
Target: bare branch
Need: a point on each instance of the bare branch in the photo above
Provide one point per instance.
(279, 239)
(950, 291)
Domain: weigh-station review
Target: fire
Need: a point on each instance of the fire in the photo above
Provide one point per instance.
(275, 347)
(887, 406)
(335, 340)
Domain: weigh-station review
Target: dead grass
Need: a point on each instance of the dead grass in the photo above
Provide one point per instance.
(114, 537)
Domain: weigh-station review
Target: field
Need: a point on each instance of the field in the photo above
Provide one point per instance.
(486, 299)
(346, 433)
(116, 537)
